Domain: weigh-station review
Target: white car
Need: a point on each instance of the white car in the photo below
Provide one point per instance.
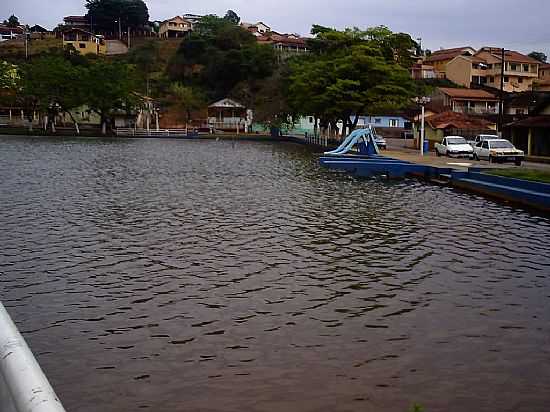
(380, 142)
(454, 146)
(481, 137)
(499, 150)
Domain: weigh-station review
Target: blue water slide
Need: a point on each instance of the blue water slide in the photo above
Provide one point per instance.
(354, 138)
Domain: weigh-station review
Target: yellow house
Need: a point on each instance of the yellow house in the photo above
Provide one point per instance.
(440, 58)
(84, 41)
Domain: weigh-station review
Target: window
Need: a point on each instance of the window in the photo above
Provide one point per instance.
(394, 122)
(311, 119)
(506, 79)
(491, 79)
(485, 145)
(525, 67)
(377, 120)
(82, 45)
(513, 67)
(489, 66)
(520, 111)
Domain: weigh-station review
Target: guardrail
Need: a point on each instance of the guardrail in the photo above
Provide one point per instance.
(23, 385)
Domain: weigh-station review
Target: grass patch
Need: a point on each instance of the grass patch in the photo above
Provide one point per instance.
(525, 174)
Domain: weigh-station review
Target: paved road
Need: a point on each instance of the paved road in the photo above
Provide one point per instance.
(403, 149)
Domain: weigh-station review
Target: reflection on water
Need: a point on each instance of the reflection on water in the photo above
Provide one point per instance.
(218, 276)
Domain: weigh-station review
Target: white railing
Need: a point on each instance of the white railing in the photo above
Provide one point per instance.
(23, 385)
(151, 132)
(317, 140)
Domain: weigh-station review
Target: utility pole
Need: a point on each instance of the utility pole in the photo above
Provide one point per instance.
(26, 44)
(501, 99)
(119, 28)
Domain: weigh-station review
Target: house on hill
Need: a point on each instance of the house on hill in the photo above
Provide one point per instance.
(10, 33)
(174, 28)
(439, 59)
(84, 41)
(81, 22)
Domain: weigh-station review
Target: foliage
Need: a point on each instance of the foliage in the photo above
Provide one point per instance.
(540, 56)
(525, 174)
(417, 408)
(9, 76)
(105, 13)
(218, 56)
(146, 59)
(187, 98)
(12, 21)
(109, 88)
(232, 17)
(350, 72)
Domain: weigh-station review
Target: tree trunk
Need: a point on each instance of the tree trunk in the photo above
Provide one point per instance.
(74, 122)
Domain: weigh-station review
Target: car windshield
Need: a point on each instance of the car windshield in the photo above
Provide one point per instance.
(501, 144)
(456, 140)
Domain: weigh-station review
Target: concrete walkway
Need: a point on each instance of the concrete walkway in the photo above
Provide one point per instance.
(403, 150)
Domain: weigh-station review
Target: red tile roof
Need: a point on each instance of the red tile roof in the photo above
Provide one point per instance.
(447, 54)
(509, 55)
(470, 94)
(457, 120)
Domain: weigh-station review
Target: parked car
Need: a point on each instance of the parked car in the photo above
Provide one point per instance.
(481, 137)
(454, 146)
(380, 142)
(498, 150)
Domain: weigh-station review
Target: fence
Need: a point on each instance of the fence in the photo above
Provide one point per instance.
(23, 385)
(152, 132)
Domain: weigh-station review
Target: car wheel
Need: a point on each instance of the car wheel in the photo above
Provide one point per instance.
(475, 156)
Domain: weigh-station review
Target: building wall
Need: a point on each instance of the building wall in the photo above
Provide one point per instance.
(459, 70)
(87, 47)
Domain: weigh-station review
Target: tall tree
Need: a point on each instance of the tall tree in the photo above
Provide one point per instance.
(12, 21)
(349, 73)
(106, 14)
(110, 89)
(540, 56)
(52, 85)
(232, 17)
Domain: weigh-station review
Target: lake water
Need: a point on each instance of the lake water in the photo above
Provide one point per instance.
(168, 275)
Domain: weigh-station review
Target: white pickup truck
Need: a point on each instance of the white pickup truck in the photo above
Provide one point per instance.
(498, 150)
(454, 146)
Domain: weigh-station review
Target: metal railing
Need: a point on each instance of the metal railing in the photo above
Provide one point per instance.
(152, 132)
(23, 385)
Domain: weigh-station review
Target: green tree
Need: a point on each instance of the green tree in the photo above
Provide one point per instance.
(187, 98)
(109, 87)
(51, 85)
(12, 21)
(220, 55)
(232, 17)
(146, 60)
(349, 74)
(540, 56)
(106, 14)
(9, 76)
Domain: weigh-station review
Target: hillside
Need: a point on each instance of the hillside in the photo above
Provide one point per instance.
(15, 49)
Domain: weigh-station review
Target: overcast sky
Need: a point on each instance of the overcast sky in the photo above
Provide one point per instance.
(518, 25)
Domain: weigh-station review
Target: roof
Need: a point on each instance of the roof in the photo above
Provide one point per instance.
(509, 55)
(458, 121)
(6, 29)
(80, 30)
(470, 94)
(175, 18)
(533, 121)
(82, 19)
(544, 65)
(447, 54)
(226, 103)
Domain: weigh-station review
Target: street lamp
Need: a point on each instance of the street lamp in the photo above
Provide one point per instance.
(422, 101)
